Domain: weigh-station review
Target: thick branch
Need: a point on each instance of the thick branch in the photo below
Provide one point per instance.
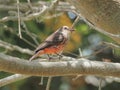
(61, 68)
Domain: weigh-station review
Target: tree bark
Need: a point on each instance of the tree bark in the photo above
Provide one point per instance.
(60, 68)
(103, 14)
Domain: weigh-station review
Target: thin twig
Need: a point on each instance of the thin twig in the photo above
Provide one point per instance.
(25, 40)
(19, 28)
(29, 42)
(80, 52)
(99, 29)
(11, 47)
(77, 77)
(75, 21)
(32, 35)
(29, 3)
(41, 81)
(100, 87)
(12, 78)
(48, 83)
(112, 45)
(86, 56)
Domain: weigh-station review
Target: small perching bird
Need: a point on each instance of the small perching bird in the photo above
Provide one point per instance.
(55, 43)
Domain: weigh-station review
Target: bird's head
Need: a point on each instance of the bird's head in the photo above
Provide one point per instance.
(67, 29)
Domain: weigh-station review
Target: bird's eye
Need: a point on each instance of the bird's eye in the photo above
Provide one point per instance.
(65, 28)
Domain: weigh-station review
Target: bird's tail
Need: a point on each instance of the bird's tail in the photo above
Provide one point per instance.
(36, 55)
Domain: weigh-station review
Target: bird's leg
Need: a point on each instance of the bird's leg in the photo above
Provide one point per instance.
(60, 56)
(49, 58)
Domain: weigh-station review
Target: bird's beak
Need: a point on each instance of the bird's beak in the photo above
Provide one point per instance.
(71, 29)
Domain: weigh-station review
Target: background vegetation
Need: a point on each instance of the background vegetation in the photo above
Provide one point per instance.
(36, 30)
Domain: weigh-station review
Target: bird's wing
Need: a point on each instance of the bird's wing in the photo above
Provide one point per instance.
(54, 39)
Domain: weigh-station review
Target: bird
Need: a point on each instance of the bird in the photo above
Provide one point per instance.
(54, 44)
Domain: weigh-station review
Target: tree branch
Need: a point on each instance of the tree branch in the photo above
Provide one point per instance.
(62, 68)
(14, 47)
(12, 78)
(39, 8)
(103, 15)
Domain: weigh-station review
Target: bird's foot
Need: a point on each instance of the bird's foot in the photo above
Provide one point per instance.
(49, 57)
(60, 56)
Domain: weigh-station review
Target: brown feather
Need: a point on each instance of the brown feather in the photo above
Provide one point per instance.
(54, 39)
